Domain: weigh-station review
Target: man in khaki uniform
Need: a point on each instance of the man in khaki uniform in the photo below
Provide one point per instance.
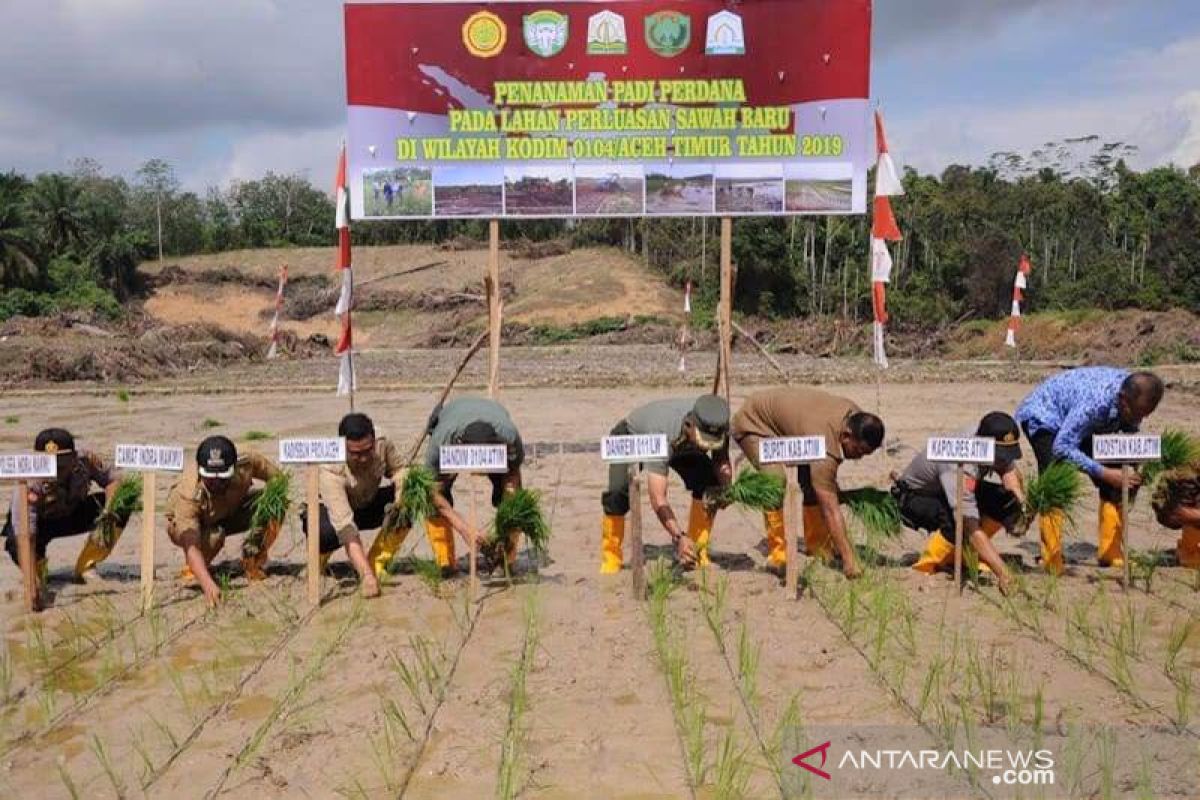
(849, 432)
(214, 499)
(354, 497)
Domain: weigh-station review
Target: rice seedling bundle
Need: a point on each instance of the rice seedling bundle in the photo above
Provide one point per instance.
(1059, 487)
(126, 500)
(415, 503)
(520, 511)
(272, 503)
(761, 491)
(1179, 450)
(875, 511)
(1173, 489)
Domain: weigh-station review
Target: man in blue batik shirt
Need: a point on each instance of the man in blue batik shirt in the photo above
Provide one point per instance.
(1060, 417)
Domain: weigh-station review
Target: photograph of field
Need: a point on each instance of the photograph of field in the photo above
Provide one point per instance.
(819, 195)
(679, 188)
(608, 189)
(538, 190)
(471, 191)
(749, 189)
(398, 192)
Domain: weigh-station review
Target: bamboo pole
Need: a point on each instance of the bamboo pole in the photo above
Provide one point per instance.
(637, 560)
(791, 520)
(494, 308)
(314, 535)
(25, 551)
(1125, 551)
(149, 510)
(726, 307)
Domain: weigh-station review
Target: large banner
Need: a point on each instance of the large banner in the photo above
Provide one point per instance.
(620, 108)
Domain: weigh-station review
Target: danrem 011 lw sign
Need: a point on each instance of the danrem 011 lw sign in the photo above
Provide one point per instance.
(634, 449)
(1126, 449)
(473, 458)
(961, 449)
(624, 108)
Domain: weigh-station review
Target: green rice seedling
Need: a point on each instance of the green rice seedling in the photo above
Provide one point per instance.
(6, 673)
(1059, 487)
(983, 673)
(748, 660)
(1144, 790)
(428, 662)
(428, 571)
(101, 753)
(713, 601)
(875, 511)
(138, 742)
(410, 680)
(1122, 674)
(1176, 639)
(11, 420)
(258, 436)
(514, 738)
(415, 501)
(1179, 449)
(758, 491)
(731, 773)
(519, 512)
(1106, 753)
(395, 717)
(123, 395)
(65, 777)
(164, 731)
(125, 501)
(1183, 700)
(272, 503)
(209, 423)
(1038, 717)
(930, 686)
(694, 724)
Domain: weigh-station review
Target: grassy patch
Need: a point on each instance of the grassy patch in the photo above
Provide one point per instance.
(258, 436)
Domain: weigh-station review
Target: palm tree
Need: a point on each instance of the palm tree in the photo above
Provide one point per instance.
(56, 212)
(17, 265)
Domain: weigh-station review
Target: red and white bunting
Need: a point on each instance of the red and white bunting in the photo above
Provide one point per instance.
(283, 276)
(345, 346)
(683, 330)
(883, 230)
(1020, 284)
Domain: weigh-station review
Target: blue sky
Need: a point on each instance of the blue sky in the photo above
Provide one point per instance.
(229, 89)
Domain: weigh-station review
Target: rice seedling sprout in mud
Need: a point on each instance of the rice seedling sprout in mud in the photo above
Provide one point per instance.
(1059, 487)
(123, 395)
(748, 659)
(875, 511)
(519, 512)
(209, 423)
(513, 744)
(1176, 639)
(731, 773)
(1143, 564)
(11, 420)
(758, 491)
(1183, 700)
(65, 778)
(712, 602)
(101, 753)
(258, 436)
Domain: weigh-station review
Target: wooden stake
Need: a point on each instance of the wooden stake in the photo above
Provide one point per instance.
(1125, 471)
(726, 308)
(25, 550)
(958, 528)
(791, 521)
(314, 535)
(472, 559)
(637, 556)
(494, 309)
(149, 510)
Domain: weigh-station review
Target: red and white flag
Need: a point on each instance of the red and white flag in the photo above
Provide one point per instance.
(683, 329)
(283, 276)
(345, 345)
(883, 230)
(1020, 283)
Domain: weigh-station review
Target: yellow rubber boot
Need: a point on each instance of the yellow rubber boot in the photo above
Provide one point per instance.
(612, 537)
(816, 535)
(777, 554)
(1188, 549)
(93, 553)
(939, 553)
(384, 549)
(1050, 526)
(1109, 549)
(254, 565)
(441, 540)
(699, 530)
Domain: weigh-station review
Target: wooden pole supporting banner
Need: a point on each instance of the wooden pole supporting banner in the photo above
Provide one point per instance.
(791, 521)
(473, 556)
(958, 527)
(314, 534)
(1125, 551)
(149, 511)
(725, 316)
(637, 560)
(494, 307)
(25, 551)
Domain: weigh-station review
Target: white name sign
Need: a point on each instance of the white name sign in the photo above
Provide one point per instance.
(961, 449)
(791, 450)
(634, 449)
(473, 458)
(149, 457)
(312, 451)
(19, 466)
(1127, 449)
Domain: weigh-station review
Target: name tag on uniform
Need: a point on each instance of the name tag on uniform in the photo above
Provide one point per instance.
(149, 457)
(791, 450)
(473, 458)
(21, 466)
(1126, 448)
(961, 449)
(312, 451)
(634, 449)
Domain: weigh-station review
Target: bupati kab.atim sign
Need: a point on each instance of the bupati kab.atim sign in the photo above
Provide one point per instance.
(623, 108)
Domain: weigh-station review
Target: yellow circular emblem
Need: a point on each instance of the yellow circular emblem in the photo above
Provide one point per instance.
(484, 34)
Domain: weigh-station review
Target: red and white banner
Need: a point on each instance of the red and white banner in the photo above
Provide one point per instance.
(1020, 283)
(883, 230)
(345, 346)
(283, 276)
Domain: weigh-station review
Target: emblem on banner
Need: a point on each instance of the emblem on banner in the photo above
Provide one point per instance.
(668, 33)
(484, 34)
(546, 32)
(725, 35)
(606, 34)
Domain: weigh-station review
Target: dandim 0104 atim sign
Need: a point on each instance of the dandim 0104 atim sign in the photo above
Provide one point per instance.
(623, 108)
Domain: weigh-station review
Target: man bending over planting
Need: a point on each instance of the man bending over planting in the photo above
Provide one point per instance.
(697, 432)
(1060, 417)
(68, 505)
(926, 494)
(1177, 506)
(850, 433)
(355, 496)
(213, 499)
(469, 421)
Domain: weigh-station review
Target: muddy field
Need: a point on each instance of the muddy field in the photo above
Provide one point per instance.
(563, 685)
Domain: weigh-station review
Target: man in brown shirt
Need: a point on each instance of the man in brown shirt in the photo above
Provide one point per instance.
(354, 497)
(850, 433)
(212, 500)
(67, 505)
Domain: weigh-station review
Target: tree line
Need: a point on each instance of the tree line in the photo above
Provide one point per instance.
(1099, 234)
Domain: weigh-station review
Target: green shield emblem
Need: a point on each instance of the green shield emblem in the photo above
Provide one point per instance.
(545, 32)
(668, 33)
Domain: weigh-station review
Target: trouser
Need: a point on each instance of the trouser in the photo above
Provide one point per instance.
(696, 470)
(81, 519)
(367, 518)
(933, 512)
(239, 521)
